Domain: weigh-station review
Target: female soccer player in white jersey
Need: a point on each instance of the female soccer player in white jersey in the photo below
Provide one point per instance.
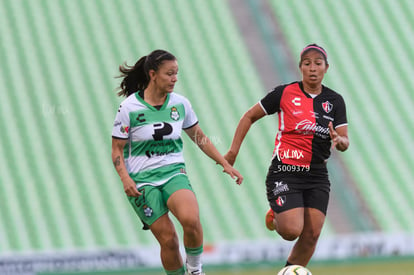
(147, 154)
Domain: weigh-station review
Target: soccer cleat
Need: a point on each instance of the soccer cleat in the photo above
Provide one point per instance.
(193, 273)
(197, 272)
(270, 216)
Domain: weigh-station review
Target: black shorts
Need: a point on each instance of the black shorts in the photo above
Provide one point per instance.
(297, 188)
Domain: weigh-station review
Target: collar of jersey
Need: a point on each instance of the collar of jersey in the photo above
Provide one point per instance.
(140, 99)
(306, 94)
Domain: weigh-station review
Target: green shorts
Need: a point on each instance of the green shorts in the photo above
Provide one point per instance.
(152, 204)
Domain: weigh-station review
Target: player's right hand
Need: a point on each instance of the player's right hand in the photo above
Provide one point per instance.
(130, 187)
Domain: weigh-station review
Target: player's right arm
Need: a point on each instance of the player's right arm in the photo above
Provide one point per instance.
(130, 187)
(252, 115)
(268, 105)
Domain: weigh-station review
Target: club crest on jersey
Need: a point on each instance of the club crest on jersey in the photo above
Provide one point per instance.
(327, 106)
(147, 211)
(175, 114)
(281, 200)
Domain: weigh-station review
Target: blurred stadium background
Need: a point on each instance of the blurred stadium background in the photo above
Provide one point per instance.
(62, 207)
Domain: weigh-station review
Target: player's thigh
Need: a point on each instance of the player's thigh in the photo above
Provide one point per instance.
(290, 222)
(181, 200)
(183, 204)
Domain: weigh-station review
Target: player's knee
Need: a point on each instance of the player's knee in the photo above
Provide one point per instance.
(166, 236)
(191, 226)
(170, 242)
(289, 230)
(289, 234)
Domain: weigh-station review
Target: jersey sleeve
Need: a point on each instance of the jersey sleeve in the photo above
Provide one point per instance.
(340, 113)
(121, 123)
(190, 118)
(271, 102)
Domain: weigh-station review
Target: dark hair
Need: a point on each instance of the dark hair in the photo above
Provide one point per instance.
(315, 47)
(136, 78)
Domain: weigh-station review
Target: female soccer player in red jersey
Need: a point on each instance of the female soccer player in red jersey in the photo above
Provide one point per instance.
(312, 119)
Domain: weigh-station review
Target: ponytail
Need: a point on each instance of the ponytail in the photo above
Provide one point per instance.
(136, 78)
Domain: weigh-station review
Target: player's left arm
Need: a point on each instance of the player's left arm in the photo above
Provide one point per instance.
(204, 143)
(339, 137)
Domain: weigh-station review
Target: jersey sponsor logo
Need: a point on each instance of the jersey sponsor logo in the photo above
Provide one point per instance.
(281, 200)
(279, 188)
(307, 127)
(296, 101)
(150, 154)
(328, 118)
(327, 106)
(162, 129)
(290, 154)
(297, 112)
(162, 146)
(175, 115)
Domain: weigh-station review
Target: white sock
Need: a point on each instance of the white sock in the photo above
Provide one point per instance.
(194, 265)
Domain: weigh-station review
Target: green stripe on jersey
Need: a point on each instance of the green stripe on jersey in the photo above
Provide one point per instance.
(171, 114)
(158, 175)
(156, 147)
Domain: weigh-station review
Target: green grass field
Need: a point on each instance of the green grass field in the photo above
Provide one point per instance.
(386, 266)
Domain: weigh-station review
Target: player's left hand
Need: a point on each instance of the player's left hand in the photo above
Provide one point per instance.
(230, 157)
(234, 174)
(334, 135)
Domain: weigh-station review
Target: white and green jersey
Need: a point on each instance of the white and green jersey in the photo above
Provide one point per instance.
(154, 152)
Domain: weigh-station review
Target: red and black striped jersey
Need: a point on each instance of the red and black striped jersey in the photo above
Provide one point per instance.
(303, 137)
